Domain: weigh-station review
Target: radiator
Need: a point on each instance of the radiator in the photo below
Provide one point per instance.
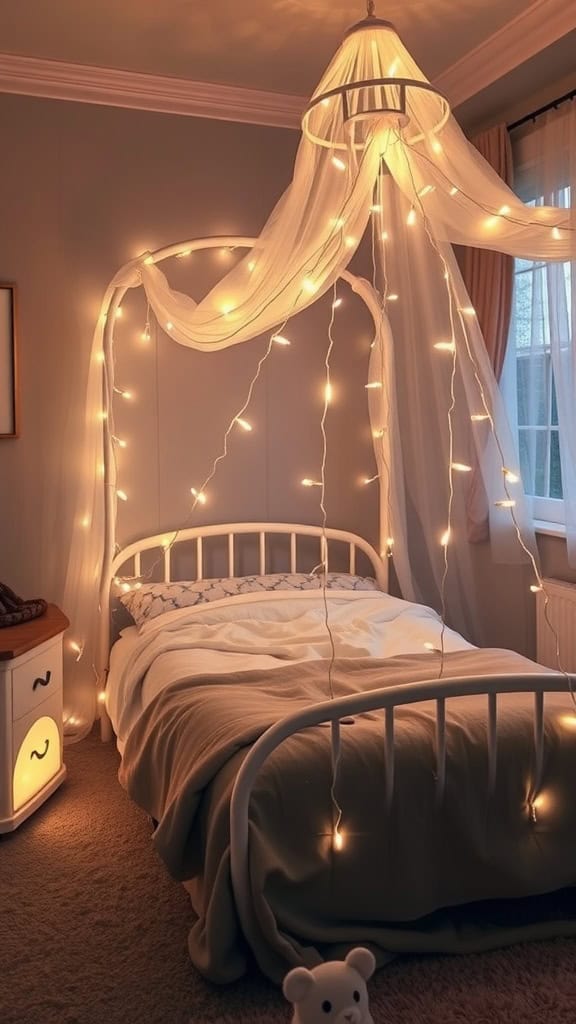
(561, 612)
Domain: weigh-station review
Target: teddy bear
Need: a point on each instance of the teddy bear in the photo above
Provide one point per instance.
(334, 992)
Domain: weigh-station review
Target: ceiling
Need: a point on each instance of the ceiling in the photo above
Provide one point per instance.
(273, 45)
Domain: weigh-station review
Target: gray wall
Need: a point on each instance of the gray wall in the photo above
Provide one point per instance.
(82, 190)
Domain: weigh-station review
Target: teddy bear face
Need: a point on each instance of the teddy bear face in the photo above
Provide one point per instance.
(334, 993)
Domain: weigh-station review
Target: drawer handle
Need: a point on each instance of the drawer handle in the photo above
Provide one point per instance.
(40, 756)
(40, 681)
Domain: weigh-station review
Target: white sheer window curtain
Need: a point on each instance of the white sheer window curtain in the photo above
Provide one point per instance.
(539, 379)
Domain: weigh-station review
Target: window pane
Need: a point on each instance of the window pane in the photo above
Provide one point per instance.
(532, 383)
(555, 468)
(554, 410)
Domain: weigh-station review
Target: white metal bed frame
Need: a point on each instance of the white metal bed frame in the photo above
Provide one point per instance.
(386, 700)
(333, 711)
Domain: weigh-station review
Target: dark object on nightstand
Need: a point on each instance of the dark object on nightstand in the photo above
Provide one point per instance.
(14, 609)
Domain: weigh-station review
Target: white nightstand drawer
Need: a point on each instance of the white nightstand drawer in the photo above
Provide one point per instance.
(37, 750)
(36, 679)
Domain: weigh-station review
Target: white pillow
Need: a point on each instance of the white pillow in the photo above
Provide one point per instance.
(153, 599)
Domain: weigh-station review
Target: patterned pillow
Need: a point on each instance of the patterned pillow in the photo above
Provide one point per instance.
(153, 599)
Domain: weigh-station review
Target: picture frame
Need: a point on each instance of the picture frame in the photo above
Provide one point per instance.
(9, 398)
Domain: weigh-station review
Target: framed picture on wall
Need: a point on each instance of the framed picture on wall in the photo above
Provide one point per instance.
(8, 362)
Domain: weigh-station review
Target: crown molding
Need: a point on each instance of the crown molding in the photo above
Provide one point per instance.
(60, 80)
(540, 25)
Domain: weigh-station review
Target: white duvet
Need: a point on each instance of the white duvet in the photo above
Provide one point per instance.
(262, 631)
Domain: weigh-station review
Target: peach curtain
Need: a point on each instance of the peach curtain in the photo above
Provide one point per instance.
(489, 277)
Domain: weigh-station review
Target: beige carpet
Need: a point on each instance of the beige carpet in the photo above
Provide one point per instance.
(93, 931)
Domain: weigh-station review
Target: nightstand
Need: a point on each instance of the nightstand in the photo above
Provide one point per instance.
(31, 712)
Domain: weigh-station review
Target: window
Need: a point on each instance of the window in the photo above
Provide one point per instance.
(530, 387)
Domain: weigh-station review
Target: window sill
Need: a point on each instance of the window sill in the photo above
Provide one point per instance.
(549, 529)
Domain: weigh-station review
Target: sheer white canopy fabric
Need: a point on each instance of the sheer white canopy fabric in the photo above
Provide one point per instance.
(544, 328)
(389, 153)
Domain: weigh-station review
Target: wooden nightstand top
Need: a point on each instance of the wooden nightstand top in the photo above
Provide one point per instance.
(16, 640)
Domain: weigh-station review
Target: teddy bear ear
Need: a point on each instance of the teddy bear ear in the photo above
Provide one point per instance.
(297, 984)
(362, 960)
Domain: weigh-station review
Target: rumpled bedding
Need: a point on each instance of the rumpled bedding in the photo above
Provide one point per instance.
(407, 872)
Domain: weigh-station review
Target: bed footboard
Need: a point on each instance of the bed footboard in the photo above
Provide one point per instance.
(386, 700)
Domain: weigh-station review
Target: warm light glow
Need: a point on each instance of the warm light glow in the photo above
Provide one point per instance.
(118, 312)
(504, 210)
(389, 542)
(169, 325)
(429, 646)
(280, 339)
(37, 762)
(569, 721)
(536, 588)
(251, 266)
(145, 336)
(119, 441)
(74, 646)
(378, 433)
(338, 163)
(556, 233)
(85, 522)
(183, 255)
(445, 538)
(122, 495)
(306, 482)
(393, 297)
(309, 286)
(101, 696)
(445, 346)
(226, 308)
(370, 479)
(393, 69)
(490, 222)
(199, 495)
(511, 477)
(103, 415)
(149, 260)
(384, 236)
(125, 587)
(338, 839)
(453, 190)
(505, 503)
(328, 393)
(337, 222)
(243, 423)
(374, 384)
(100, 357)
(468, 310)
(336, 303)
(376, 208)
(411, 218)
(350, 241)
(461, 467)
(477, 417)
(436, 146)
(426, 190)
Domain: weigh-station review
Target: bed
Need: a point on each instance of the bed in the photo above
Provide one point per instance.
(230, 701)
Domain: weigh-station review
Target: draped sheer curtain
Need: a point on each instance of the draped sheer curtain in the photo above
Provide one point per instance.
(539, 380)
(489, 277)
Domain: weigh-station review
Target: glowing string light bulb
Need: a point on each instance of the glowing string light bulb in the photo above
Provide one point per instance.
(373, 384)
(199, 495)
(119, 312)
(122, 495)
(505, 503)
(337, 162)
(123, 393)
(556, 233)
(145, 336)
(536, 588)
(370, 479)
(504, 210)
(384, 236)
(445, 538)
(411, 218)
(328, 393)
(461, 467)
(454, 191)
(338, 839)
(511, 477)
(393, 297)
(309, 286)
(336, 303)
(478, 417)
(280, 339)
(243, 423)
(426, 190)
(119, 441)
(445, 346)
(307, 482)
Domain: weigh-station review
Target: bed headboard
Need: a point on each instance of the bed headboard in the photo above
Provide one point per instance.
(128, 561)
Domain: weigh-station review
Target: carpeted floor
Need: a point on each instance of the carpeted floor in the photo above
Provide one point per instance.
(93, 931)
